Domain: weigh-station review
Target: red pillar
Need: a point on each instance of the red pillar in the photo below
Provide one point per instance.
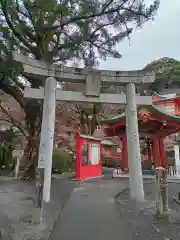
(156, 152)
(124, 153)
(162, 152)
(78, 158)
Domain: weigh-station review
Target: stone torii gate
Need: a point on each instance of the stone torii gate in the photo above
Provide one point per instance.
(93, 80)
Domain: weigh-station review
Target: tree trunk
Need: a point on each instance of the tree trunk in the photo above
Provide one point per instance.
(29, 160)
(89, 118)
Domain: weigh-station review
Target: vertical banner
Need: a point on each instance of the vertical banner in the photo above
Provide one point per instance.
(177, 159)
(94, 154)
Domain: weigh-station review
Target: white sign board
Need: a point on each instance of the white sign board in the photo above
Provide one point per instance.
(118, 150)
(94, 154)
(41, 162)
(117, 173)
(18, 153)
(177, 159)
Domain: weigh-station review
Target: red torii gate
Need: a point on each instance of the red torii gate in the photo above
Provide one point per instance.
(154, 125)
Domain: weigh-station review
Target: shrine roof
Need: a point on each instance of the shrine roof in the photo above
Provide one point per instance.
(146, 109)
(102, 140)
(90, 138)
(169, 96)
(116, 119)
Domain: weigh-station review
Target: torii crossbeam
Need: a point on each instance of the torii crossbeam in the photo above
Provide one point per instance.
(93, 80)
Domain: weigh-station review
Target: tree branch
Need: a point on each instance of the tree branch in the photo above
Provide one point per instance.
(103, 12)
(15, 32)
(15, 92)
(12, 120)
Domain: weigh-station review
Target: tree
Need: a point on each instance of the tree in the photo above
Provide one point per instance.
(8, 140)
(167, 72)
(57, 31)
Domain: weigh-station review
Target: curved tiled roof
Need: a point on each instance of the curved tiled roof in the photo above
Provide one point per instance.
(152, 109)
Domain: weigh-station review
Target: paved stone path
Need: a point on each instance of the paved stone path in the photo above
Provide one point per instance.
(90, 213)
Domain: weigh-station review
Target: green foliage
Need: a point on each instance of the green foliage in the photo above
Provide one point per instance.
(63, 30)
(104, 160)
(146, 165)
(167, 72)
(9, 139)
(170, 154)
(110, 162)
(62, 160)
(170, 158)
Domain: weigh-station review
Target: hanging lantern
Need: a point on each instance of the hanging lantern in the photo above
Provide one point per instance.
(144, 114)
(164, 123)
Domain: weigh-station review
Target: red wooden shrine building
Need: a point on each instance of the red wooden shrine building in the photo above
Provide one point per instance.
(169, 103)
(154, 125)
(88, 157)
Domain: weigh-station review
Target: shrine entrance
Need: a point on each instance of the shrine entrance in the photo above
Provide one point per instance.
(92, 84)
(154, 125)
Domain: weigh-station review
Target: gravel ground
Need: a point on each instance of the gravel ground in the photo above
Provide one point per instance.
(139, 218)
(16, 207)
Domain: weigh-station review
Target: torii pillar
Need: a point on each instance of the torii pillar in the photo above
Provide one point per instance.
(47, 135)
(134, 156)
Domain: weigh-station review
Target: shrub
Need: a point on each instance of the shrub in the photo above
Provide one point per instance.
(146, 165)
(170, 154)
(62, 160)
(110, 162)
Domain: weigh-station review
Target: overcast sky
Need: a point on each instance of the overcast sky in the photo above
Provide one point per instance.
(157, 39)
